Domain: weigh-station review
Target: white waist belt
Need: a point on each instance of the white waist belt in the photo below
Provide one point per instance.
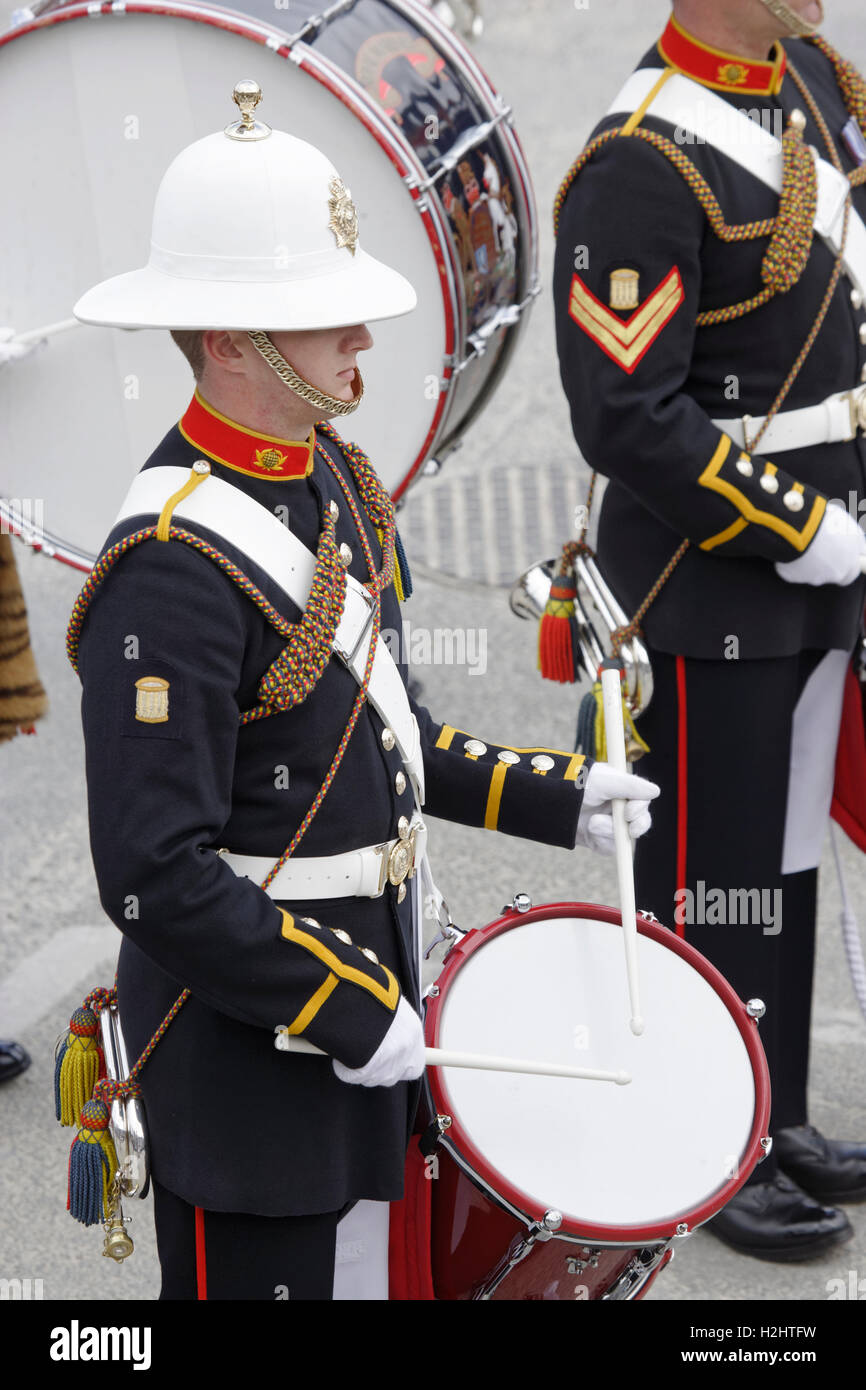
(270, 544)
(833, 421)
(359, 873)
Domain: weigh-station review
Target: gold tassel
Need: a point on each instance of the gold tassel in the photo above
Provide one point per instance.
(78, 1067)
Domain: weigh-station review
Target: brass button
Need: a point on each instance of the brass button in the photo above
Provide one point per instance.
(797, 119)
(793, 500)
(744, 466)
(857, 299)
(401, 892)
(400, 783)
(543, 762)
(345, 555)
(201, 466)
(508, 757)
(769, 482)
(342, 935)
(333, 509)
(311, 922)
(403, 828)
(862, 331)
(474, 747)
(371, 955)
(388, 739)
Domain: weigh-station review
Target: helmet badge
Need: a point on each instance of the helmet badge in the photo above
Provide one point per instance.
(344, 217)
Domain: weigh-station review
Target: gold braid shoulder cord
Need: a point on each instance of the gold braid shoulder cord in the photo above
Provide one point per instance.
(295, 672)
(784, 260)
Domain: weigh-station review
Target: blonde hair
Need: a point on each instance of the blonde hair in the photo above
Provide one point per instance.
(190, 343)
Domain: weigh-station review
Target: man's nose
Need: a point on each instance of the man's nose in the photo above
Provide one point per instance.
(359, 338)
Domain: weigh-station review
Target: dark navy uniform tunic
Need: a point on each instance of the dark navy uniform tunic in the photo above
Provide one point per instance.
(235, 1124)
(646, 421)
(638, 261)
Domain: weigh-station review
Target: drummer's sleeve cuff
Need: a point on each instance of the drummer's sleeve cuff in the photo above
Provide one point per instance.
(529, 792)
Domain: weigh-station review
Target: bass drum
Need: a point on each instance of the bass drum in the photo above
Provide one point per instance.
(563, 1189)
(97, 101)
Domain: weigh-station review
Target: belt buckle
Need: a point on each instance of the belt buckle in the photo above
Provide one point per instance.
(398, 857)
(856, 410)
(349, 656)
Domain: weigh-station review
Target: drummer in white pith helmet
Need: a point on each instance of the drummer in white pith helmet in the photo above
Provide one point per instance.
(256, 770)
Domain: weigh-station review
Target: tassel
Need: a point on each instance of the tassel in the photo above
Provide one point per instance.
(556, 632)
(92, 1166)
(591, 739)
(402, 577)
(78, 1067)
(590, 724)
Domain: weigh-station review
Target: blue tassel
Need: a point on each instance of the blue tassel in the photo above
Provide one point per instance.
(405, 576)
(586, 717)
(58, 1063)
(92, 1165)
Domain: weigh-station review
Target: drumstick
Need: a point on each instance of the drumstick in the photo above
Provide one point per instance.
(615, 737)
(36, 335)
(441, 1057)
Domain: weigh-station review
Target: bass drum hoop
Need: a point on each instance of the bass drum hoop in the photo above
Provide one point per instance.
(408, 167)
(476, 78)
(512, 1199)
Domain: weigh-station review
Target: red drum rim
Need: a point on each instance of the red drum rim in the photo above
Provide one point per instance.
(475, 1164)
(352, 96)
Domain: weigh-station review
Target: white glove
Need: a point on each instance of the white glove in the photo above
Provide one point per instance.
(604, 785)
(834, 555)
(399, 1056)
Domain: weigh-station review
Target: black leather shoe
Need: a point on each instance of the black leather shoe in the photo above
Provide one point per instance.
(13, 1060)
(828, 1169)
(776, 1220)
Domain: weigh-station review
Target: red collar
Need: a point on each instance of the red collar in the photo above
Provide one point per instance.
(258, 455)
(726, 72)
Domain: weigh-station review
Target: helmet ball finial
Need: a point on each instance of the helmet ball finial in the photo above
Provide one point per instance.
(246, 96)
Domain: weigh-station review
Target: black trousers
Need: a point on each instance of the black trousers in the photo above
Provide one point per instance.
(720, 738)
(207, 1255)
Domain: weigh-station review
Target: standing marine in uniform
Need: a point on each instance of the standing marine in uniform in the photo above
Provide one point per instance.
(709, 284)
(256, 769)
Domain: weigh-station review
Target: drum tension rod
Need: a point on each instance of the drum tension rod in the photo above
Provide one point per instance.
(316, 22)
(506, 316)
(470, 138)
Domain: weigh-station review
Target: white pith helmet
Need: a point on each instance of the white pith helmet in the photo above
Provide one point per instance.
(252, 229)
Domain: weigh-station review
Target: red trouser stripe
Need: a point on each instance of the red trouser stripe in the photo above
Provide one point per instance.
(200, 1259)
(682, 784)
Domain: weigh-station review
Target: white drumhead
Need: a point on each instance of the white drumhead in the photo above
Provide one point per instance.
(108, 102)
(610, 1155)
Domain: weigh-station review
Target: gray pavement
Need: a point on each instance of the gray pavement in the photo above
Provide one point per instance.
(559, 65)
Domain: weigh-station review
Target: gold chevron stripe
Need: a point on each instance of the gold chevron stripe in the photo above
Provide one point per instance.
(626, 341)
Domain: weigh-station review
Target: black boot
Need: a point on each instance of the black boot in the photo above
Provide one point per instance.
(829, 1169)
(776, 1220)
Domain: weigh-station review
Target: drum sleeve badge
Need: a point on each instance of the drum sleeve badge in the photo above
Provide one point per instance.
(151, 700)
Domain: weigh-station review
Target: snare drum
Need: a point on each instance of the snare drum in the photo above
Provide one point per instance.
(547, 1188)
(99, 98)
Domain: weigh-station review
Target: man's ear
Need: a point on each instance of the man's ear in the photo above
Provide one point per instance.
(223, 348)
